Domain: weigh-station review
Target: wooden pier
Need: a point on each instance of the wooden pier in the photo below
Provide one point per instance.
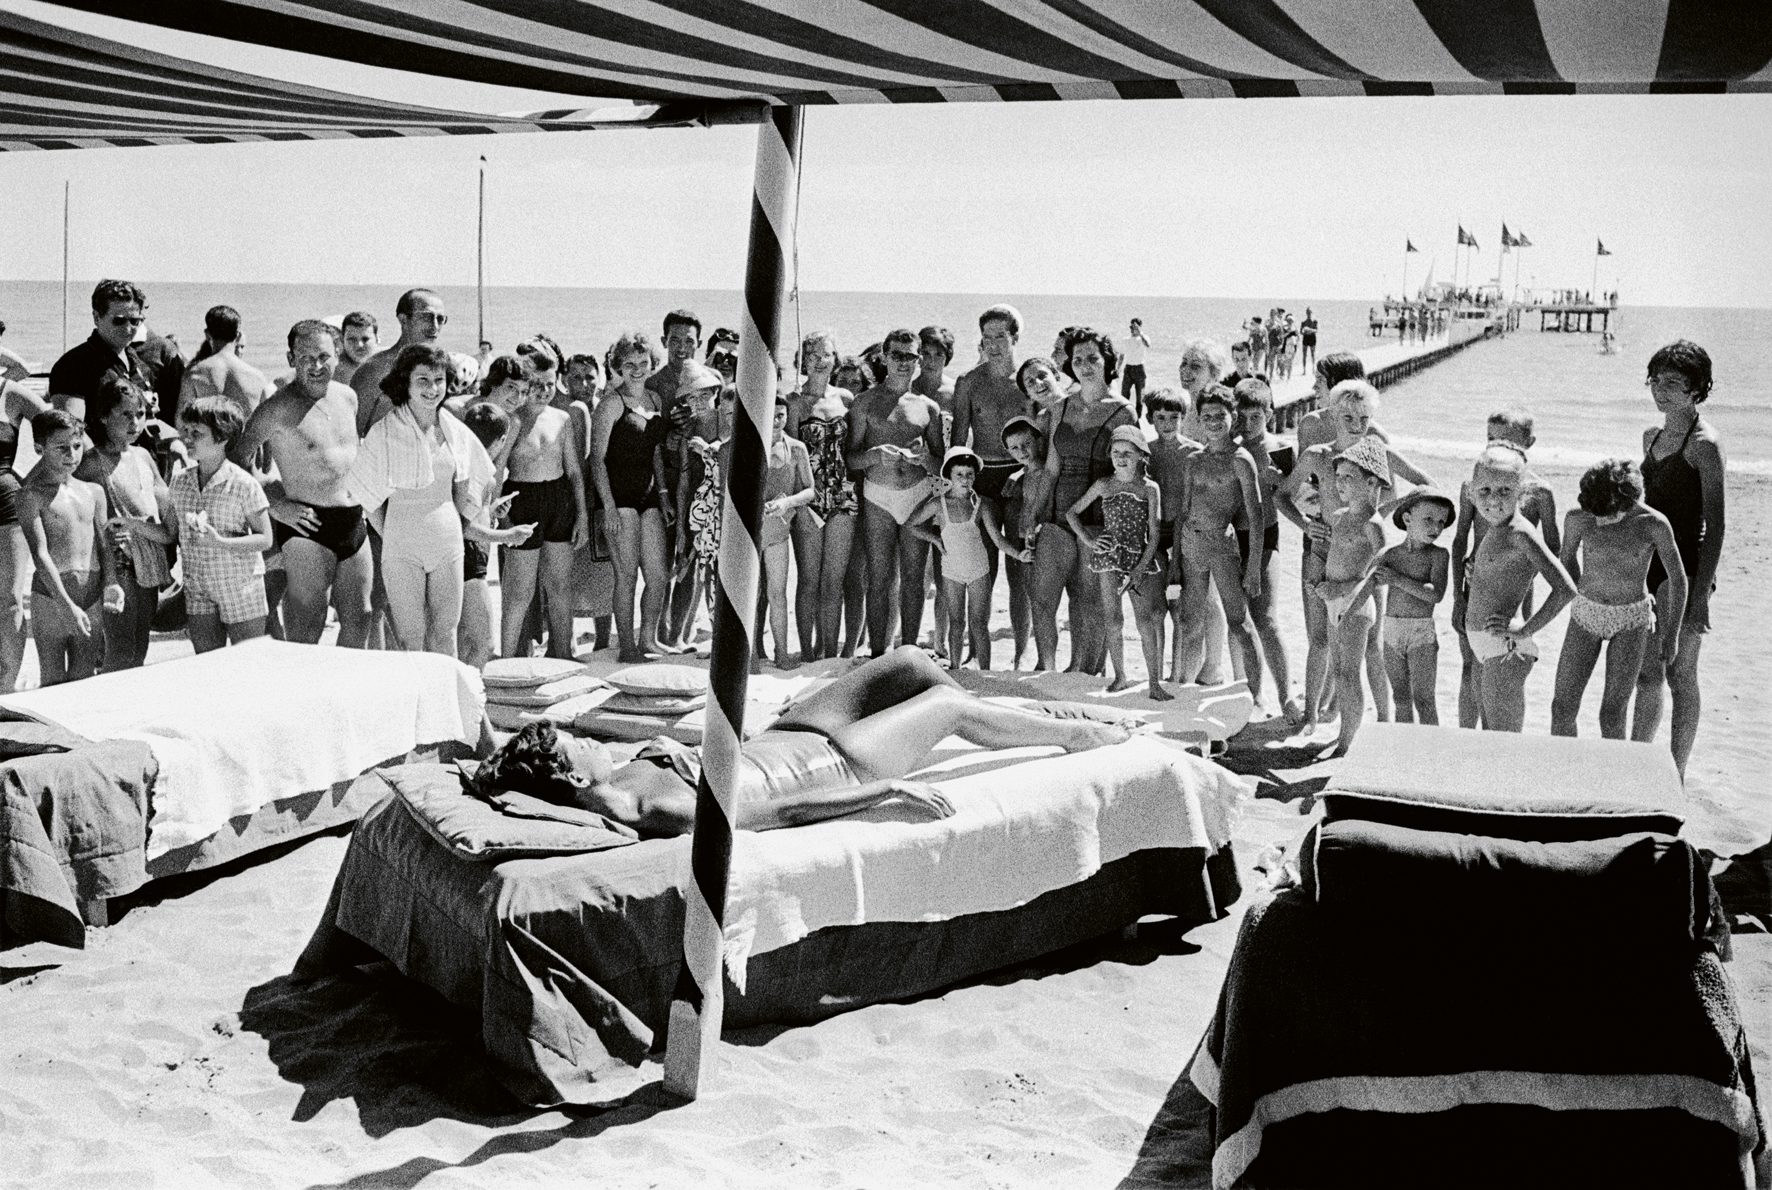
(1573, 317)
(1295, 396)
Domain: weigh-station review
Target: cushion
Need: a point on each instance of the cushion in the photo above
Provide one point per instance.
(545, 695)
(527, 671)
(654, 704)
(1542, 789)
(678, 681)
(511, 826)
(566, 712)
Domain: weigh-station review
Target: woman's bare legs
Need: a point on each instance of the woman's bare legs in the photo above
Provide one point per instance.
(855, 590)
(880, 532)
(1055, 556)
(808, 537)
(775, 571)
(1113, 627)
(1021, 615)
(624, 546)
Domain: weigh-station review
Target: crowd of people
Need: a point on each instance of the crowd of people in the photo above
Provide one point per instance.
(379, 482)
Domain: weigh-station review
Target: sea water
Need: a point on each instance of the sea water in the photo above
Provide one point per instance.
(1588, 406)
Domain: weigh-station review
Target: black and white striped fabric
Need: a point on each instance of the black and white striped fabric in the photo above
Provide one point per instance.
(932, 51)
(65, 90)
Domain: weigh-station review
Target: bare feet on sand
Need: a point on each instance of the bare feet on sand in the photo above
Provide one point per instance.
(1158, 694)
(1085, 734)
(1293, 712)
(631, 657)
(1119, 684)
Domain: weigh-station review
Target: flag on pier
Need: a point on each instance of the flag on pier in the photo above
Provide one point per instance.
(1520, 241)
(1465, 238)
(1600, 248)
(1409, 245)
(1507, 241)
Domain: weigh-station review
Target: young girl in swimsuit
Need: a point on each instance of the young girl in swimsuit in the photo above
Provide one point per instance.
(1124, 553)
(818, 415)
(1608, 545)
(961, 521)
(627, 467)
(787, 488)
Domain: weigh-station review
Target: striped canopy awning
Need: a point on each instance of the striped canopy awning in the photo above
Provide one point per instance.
(704, 60)
(65, 90)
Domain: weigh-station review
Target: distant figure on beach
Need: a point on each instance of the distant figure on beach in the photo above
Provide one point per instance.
(12, 364)
(64, 523)
(1307, 332)
(311, 428)
(1242, 365)
(1683, 480)
(220, 372)
(422, 319)
(1132, 379)
(360, 335)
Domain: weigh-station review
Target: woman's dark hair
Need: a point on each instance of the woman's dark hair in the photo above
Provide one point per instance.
(1609, 486)
(1110, 359)
(113, 392)
(1341, 365)
(529, 762)
(216, 414)
(398, 383)
(509, 366)
(938, 336)
(1689, 360)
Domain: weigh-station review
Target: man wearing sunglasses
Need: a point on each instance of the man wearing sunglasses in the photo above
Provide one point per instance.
(422, 320)
(118, 313)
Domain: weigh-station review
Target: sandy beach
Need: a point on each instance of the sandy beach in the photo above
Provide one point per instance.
(175, 1051)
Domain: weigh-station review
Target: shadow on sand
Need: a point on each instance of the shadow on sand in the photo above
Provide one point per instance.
(1177, 1148)
(1745, 887)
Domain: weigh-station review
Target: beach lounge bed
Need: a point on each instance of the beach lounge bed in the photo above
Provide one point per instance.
(566, 938)
(1500, 966)
(124, 778)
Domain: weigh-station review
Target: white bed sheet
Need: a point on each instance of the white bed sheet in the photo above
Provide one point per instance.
(1019, 830)
(243, 726)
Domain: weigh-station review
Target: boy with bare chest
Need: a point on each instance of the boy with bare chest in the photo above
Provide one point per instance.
(1362, 476)
(547, 483)
(64, 521)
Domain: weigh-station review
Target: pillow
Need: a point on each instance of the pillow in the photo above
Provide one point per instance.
(545, 695)
(566, 712)
(658, 704)
(527, 671)
(511, 826)
(678, 681)
(1544, 789)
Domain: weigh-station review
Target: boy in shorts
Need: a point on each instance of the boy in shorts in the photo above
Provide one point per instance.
(1168, 453)
(1416, 573)
(1362, 476)
(1273, 462)
(64, 523)
(1511, 554)
(222, 521)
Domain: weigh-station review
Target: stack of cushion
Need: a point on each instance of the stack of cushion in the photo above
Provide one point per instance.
(650, 700)
(520, 689)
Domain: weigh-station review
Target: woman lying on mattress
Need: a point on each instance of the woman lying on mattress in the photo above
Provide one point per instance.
(841, 749)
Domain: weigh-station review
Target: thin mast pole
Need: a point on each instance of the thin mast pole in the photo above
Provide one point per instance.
(1405, 268)
(480, 258)
(1596, 281)
(67, 191)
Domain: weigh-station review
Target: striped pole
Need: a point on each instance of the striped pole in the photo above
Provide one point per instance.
(698, 1001)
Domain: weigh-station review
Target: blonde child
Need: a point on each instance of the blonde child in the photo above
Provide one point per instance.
(1416, 573)
(963, 521)
(787, 488)
(1511, 554)
(1608, 544)
(1124, 554)
(223, 525)
(1362, 476)
(64, 523)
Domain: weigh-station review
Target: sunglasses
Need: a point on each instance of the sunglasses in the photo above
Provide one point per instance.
(903, 357)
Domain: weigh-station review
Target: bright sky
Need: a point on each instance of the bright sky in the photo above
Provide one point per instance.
(1252, 198)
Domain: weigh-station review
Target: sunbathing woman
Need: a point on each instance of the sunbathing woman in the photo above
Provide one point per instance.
(841, 749)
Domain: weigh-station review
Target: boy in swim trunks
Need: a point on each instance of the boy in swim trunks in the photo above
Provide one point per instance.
(1168, 454)
(1416, 573)
(1510, 427)
(1362, 476)
(1511, 554)
(1608, 544)
(221, 518)
(64, 523)
(548, 481)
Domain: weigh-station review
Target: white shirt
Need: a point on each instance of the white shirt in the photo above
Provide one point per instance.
(1134, 356)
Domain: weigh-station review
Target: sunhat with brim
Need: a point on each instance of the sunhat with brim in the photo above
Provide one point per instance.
(1370, 456)
(961, 454)
(1018, 422)
(1133, 435)
(1424, 496)
(695, 377)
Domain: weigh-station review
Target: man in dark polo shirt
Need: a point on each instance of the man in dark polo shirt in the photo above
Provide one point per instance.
(154, 364)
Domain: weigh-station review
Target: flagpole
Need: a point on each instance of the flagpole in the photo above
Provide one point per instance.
(480, 258)
(66, 193)
(1405, 268)
(1596, 281)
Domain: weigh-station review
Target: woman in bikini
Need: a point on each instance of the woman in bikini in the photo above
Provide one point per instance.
(627, 467)
(895, 441)
(841, 749)
(818, 415)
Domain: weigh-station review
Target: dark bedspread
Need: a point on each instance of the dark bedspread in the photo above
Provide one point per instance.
(570, 960)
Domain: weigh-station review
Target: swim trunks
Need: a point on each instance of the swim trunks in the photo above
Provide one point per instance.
(1607, 620)
(10, 486)
(899, 503)
(1270, 542)
(1405, 634)
(993, 475)
(474, 559)
(342, 530)
(547, 505)
(1488, 646)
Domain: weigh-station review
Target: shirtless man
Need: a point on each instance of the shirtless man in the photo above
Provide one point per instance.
(422, 320)
(1511, 554)
(311, 429)
(985, 400)
(547, 480)
(359, 344)
(222, 373)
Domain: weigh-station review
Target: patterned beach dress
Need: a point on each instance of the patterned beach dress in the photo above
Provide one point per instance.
(1126, 520)
(833, 490)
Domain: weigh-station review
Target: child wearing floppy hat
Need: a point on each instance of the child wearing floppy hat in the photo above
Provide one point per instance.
(1362, 475)
(1417, 573)
(963, 519)
(1124, 554)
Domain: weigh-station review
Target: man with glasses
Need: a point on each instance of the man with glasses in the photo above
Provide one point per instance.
(118, 313)
(422, 320)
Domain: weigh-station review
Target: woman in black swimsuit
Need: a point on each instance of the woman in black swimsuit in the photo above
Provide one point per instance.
(627, 466)
(1682, 480)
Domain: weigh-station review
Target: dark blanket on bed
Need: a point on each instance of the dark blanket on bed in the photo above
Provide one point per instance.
(569, 960)
(73, 827)
(1339, 1016)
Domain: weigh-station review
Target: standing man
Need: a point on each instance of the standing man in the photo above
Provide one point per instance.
(311, 428)
(1132, 366)
(118, 312)
(682, 339)
(221, 372)
(935, 351)
(422, 319)
(1242, 367)
(361, 333)
(1307, 337)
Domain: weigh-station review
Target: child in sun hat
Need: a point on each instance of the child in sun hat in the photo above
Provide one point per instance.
(962, 520)
(1417, 573)
(1124, 554)
(1362, 476)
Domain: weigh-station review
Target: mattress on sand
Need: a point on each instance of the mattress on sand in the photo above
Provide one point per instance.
(570, 960)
